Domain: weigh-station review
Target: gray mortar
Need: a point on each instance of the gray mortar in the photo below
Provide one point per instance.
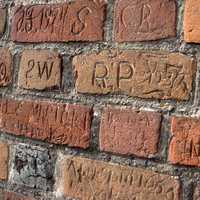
(189, 176)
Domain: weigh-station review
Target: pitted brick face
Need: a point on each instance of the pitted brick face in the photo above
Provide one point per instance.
(39, 69)
(130, 132)
(80, 20)
(2, 20)
(185, 142)
(57, 123)
(137, 74)
(142, 20)
(191, 21)
(85, 179)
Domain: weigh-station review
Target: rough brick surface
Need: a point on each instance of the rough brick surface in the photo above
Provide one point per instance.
(185, 142)
(81, 20)
(52, 122)
(88, 179)
(196, 194)
(5, 195)
(5, 67)
(4, 158)
(33, 167)
(141, 20)
(146, 75)
(2, 20)
(191, 21)
(130, 132)
(39, 69)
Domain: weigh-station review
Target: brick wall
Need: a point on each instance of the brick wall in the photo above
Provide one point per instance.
(99, 100)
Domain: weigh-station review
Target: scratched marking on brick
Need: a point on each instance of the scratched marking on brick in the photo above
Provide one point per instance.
(39, 69)
(130, 132)
(185, 143)
(146, 75)
(52, 122)
(88, 179)
(78, 20)
(140, 20)
(5, 67)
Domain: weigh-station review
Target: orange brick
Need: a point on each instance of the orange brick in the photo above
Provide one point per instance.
(191, 21)
(56, 123)
(39, 69)
(80, 20)
(5, 67)
(185, 142)
(4, 158)
(85, 179)
(138, 74)
(130, 132)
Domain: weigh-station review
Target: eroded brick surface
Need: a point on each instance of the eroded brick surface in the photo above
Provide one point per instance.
(33, 167)
(13, 196)
(4, 159)
(130, 132)
(88, 179)
(47, 121)
(2, 20)
(141, 20)
(80, 20)
(39, 69)
(5, 67)
(185, 142)
(146, 75)
(191, 21)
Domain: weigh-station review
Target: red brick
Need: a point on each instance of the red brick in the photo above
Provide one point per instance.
(13, 196)
(85, 179)
(2, 20)
(4, 159)
(39, 69)
(130, 132)
(142, 20)
(191, 21)
(56, 123)
(138, 74)
(185, 142)
(80, 20)
(5, 67)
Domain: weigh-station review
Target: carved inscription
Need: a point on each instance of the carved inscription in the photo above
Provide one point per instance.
(39, 69)
(2, 20)
(130, 132)
(146, 75)
(185, 143)
(78, 20)
(52, 122)
(139, 20)
(88, 179)
(5, 67)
